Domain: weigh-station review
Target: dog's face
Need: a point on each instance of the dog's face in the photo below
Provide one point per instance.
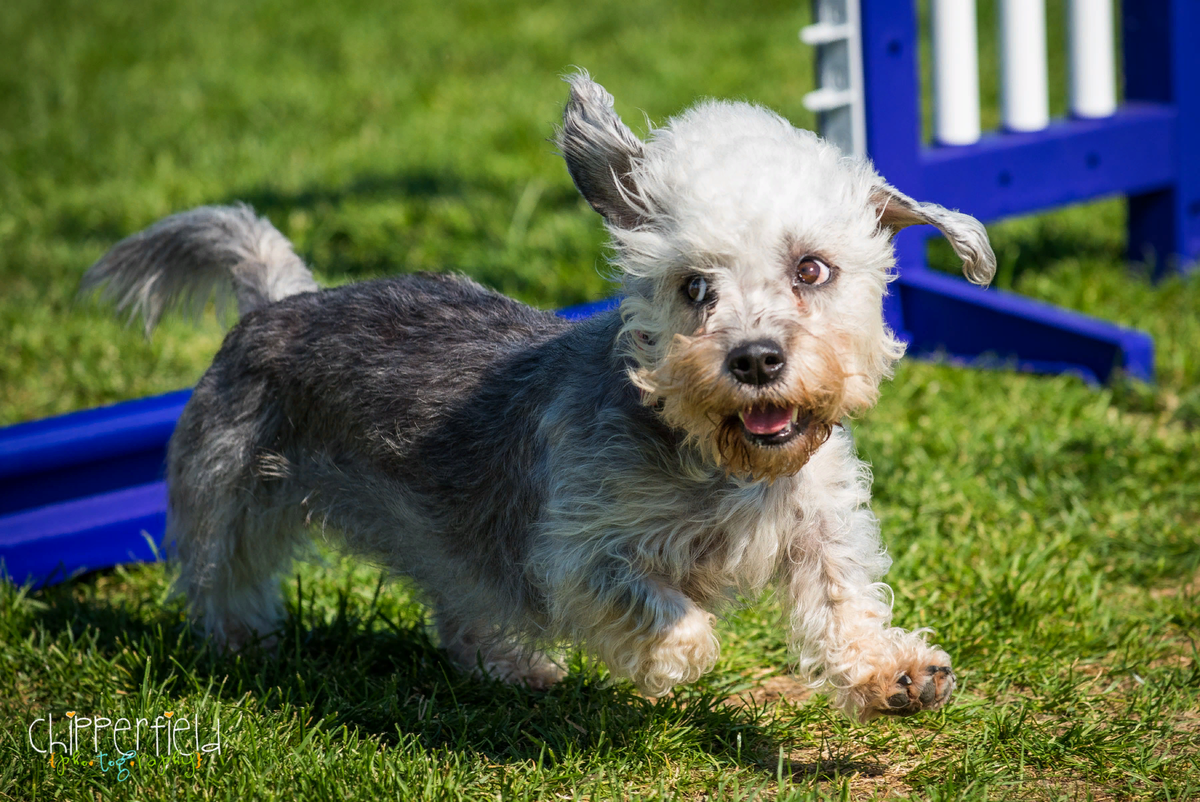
(754, 258)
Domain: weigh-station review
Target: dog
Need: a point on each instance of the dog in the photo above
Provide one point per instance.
(612, 483)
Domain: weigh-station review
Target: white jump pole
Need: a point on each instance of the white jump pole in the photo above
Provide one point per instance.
(955, 72)
(1093, 71)
(1023, 85)
(838, 100)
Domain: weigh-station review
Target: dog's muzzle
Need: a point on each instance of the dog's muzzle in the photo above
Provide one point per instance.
(757, 364)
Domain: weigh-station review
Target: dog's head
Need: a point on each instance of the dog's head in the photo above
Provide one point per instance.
(754, 258)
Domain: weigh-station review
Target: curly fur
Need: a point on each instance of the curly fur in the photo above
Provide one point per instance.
(545, 482)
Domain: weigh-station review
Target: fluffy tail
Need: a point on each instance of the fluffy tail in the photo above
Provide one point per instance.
(182, 260)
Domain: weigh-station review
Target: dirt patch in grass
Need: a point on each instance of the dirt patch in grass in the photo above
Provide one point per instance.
(868, 776)
(1189, 588)
(772, 690)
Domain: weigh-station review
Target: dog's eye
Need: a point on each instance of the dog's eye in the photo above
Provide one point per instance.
(812, 271)
(696, 289)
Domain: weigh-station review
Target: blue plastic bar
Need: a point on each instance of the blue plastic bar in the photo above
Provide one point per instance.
(83, 491)
(580, 311)
(948, 318)
(1162, 62)
(56, 542)
(86, 452)
(1005, 174)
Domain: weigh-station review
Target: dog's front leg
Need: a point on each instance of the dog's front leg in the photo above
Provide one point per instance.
(841, 613)
(639, 625)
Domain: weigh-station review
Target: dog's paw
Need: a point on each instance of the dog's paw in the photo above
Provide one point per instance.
(685, 652)
(234, 637)
(929, 689)
(924, 681)
(506, 661)
(536, 671)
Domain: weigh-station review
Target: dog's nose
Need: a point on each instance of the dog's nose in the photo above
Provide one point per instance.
(756, 363)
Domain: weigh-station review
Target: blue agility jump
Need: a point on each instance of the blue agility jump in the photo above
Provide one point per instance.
(1149, 151)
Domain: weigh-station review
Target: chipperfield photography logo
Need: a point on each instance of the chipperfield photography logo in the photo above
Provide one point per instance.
(127, 748)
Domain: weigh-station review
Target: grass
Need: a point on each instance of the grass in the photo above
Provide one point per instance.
(1048, 530)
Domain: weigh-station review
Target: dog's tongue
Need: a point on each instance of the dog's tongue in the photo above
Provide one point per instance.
(766, 420)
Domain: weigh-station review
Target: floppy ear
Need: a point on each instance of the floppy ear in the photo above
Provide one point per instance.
(966, 234)
(599, 150)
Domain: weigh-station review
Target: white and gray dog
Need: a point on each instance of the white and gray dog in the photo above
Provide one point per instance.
(609, 483)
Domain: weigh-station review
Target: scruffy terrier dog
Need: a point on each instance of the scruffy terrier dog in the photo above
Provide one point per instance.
(609, 483)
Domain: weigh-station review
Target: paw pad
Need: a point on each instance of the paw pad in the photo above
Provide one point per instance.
(914, 691)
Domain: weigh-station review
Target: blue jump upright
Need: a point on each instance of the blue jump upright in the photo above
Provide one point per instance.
(1149, 151)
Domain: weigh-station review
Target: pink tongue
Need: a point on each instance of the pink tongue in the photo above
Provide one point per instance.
(766, 420)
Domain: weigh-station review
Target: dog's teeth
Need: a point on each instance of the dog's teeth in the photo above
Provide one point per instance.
(795, 414)
(742, 417)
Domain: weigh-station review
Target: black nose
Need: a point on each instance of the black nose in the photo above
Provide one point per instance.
(757, 362)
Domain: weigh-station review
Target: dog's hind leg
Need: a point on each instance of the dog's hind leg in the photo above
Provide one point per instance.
(233, 533)
(231, 577)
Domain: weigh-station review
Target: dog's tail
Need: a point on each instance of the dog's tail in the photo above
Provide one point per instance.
(182, 260)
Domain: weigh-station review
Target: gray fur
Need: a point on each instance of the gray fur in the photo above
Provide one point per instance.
(382, 442)
(600, 152)
(184, 259)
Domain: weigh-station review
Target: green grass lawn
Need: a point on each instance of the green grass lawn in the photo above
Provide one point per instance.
(1048, 530)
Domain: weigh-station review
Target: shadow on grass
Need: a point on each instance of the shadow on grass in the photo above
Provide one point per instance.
(360, 668)
(833, 770)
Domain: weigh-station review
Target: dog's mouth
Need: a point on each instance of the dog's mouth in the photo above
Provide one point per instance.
(772, 425)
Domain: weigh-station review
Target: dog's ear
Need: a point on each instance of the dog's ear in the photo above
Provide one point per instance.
(966, 234)
(600, 150)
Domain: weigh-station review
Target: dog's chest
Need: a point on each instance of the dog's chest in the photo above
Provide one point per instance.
(716, 537)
